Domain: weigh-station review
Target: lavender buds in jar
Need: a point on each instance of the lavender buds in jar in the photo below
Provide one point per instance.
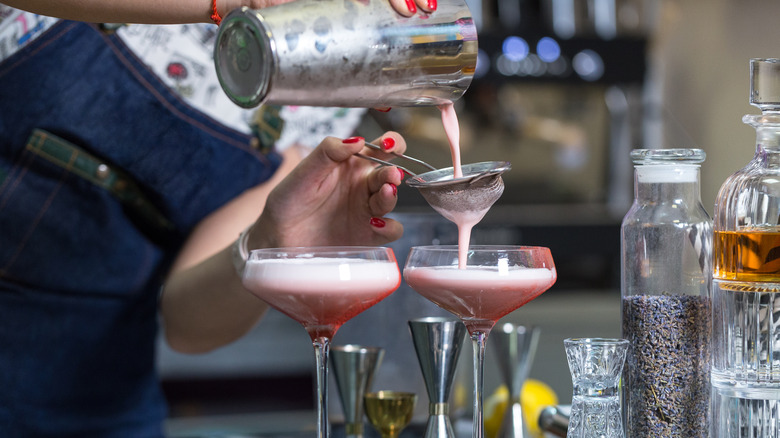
(668, 369)
(666, 245)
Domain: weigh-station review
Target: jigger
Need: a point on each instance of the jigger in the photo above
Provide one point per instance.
(515, 346)
(353, 367)
(437, 342)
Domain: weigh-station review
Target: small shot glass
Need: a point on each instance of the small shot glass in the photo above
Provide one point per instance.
(596, 365)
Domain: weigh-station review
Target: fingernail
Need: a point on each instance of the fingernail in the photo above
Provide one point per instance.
(384, 110)
(388, 143)
(403, 174)
(376, 222)
(432, 5)
(411, 6)
(352, 140)
(395, 189)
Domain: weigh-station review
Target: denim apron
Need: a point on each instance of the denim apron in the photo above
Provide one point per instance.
(103, 173)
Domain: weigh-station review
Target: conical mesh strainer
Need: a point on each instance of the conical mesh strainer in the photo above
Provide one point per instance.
(477, 190)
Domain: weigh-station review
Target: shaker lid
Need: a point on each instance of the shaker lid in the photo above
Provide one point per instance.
(244, 57)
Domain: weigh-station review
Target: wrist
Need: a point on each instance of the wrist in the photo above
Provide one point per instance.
(216, 17)
(220, 8)
(240, 252)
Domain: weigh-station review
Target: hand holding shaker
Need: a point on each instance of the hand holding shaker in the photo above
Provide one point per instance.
(348, 53)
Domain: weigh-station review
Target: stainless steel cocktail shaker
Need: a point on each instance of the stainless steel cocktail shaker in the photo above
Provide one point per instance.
(349, 53)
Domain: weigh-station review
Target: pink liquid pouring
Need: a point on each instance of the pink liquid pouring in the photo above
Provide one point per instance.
(465, 220)
(321, 293)
(480, 296)
(452, 129)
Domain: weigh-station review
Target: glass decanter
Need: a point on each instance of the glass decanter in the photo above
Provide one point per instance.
(746, 276)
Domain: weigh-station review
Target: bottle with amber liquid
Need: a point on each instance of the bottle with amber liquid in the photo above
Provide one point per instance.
(746, 277)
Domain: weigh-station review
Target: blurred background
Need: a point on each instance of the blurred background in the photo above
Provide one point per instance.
(564, 90)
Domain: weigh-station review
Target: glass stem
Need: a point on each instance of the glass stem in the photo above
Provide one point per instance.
(478, 339)
(321, 349)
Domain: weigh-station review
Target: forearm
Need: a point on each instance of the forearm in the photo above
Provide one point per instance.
(163, 11)
(135, 11)
(121, 11)
(206, 306)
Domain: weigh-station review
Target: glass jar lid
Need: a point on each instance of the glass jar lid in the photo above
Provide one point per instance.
(667, 165)
(643, 157)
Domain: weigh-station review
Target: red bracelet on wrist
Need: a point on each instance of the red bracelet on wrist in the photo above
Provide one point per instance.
(214, 14)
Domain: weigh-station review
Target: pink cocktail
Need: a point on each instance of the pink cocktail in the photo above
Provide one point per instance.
(322, 293)
(322, 288)
(494, 281)
(479, 296)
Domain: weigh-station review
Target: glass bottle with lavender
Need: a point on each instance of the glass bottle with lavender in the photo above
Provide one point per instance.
(666, 268)
(746, 277)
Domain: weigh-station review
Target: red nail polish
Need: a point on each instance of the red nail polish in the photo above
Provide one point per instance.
(352, 140)
(388, 143)
(376, 222)
(383, 110)
(432, 5)
(411, 6)
(395, 189)
(403, 174)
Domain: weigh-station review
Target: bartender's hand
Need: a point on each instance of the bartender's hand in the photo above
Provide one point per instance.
(334, 198)
(407, 8)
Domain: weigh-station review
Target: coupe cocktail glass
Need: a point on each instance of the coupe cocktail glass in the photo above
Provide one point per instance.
(491, 282)
(322, 288)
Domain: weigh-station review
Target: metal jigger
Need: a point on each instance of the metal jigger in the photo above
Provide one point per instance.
(353, 367)
(514, 346)
(437, 342)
